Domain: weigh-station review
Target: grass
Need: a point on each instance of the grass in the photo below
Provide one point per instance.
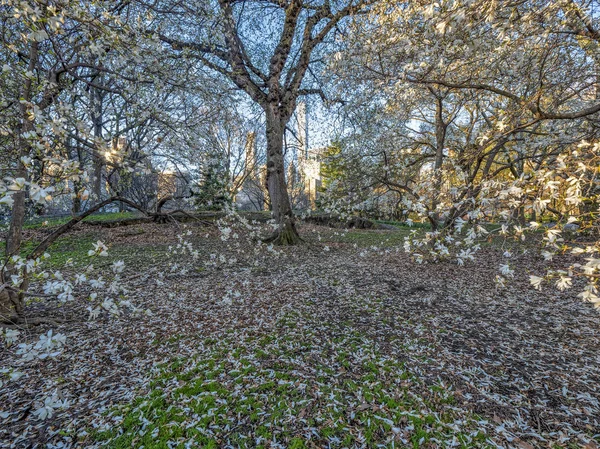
(36, 223)
(403, 224)
(383, 239)
(72, 250)
(295, 389)
(368, 238)
(395, 238)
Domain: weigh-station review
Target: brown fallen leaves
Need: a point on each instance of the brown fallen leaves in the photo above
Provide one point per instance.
(527, 362)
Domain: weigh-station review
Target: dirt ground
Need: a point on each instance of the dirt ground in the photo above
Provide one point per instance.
(518, 366)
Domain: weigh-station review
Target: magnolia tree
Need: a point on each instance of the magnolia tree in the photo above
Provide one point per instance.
(46, 49)
(494, 111)
(270, 51)
(75, 78)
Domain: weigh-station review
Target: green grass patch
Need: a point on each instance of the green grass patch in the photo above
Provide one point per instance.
(368, 238)
(404, 225)
(69, 248)
(41, 222)
(290, 388)
(72, 250)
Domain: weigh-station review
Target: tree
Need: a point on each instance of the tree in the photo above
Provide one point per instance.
(492, 102)
(295, 30)
(45, 50)
(332, 167)
(477, 121)
(213, 190)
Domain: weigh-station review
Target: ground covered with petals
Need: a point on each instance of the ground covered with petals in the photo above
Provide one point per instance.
(340, 342)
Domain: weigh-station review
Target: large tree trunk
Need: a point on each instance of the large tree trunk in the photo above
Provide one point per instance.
(286, 233)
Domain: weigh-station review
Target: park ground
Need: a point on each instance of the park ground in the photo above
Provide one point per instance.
(340, 342)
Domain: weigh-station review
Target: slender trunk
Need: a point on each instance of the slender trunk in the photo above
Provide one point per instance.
(280, 201)
(76, 204)
(440, 140)
(77, 187)
(98, 160)
(17, 217)
(97, 185)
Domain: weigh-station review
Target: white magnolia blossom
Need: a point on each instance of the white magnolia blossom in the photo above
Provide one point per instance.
(49, 406)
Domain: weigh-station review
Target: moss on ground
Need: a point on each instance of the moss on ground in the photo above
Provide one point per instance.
(291, 389)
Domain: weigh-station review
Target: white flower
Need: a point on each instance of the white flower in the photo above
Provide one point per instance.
(547, 255)
(15, 375)
(10, 336)
(16, 279)
(94, 313)
(588, 295)
(80, 278)
(118, 266)
(17, 184)
(225, 233)
(536, 282)
(563, 283)
(50, 341)
(506, 270)
(552, 235)
(84, 195)
(7, 200)
(500, 281)
(110, 306)
(97, 283)
(39, 194)
(50, 404)
(100, 249)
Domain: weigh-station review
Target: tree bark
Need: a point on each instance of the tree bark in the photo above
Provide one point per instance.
(96, 100)
(286, 233)
(440, 141)
(17, 216)
(76, 199)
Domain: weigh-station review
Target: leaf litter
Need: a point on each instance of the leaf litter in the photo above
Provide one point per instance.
(254, 346)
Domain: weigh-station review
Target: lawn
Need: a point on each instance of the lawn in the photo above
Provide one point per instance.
(41, 222)
(341, 342)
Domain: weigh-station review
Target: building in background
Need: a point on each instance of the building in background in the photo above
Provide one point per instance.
(308, 170)
(250, 186)
(303, 171)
